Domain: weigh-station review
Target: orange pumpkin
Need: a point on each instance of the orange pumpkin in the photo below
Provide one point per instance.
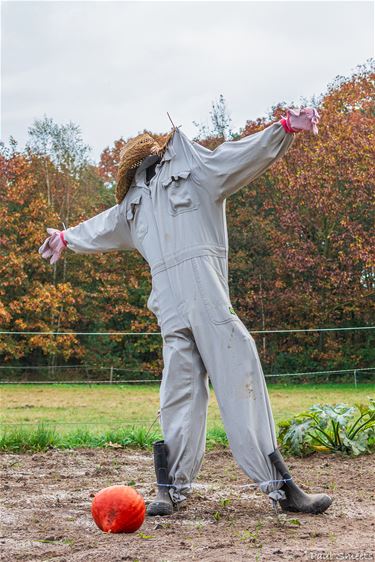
(118, 509)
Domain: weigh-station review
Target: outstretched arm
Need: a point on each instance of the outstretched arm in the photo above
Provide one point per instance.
(234, 164)
(106, 232)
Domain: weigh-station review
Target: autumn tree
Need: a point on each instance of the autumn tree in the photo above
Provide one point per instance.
(300, 236)
(220, 123)
(104, 295)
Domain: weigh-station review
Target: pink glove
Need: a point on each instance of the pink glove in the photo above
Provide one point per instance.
(54, 245)
(298, 120)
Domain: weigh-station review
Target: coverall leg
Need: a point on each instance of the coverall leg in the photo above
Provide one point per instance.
(216, 342)
(183, 407)
(184, 391)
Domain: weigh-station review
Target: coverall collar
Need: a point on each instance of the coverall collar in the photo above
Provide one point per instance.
(169, 153)
(140, 175)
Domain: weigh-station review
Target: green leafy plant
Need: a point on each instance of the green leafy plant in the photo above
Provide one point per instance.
(224, 502)
(339, 428)
(145, 537)
(217, 516)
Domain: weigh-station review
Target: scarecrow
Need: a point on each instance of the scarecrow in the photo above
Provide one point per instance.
(171, 207)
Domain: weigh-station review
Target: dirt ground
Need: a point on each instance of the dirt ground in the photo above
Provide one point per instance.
(46, 511)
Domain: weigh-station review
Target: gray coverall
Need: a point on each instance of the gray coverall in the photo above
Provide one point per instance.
(178, 224)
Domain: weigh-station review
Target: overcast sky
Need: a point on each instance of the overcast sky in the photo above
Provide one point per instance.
(116, 68)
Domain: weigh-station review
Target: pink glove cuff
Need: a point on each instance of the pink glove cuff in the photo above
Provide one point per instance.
(62, 238)
(286, 124)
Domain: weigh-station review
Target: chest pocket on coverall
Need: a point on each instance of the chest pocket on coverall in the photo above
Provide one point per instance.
(181, 196)
(137, 224)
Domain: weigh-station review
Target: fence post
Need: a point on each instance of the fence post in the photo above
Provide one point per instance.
(355, 378)
(111, 375)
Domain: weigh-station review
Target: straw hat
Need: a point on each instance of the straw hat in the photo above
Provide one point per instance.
(133, 153)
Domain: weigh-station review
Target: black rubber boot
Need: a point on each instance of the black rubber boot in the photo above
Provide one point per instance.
(297, 499)
(162, 505)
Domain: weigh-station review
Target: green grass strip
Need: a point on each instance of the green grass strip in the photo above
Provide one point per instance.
(44, 437)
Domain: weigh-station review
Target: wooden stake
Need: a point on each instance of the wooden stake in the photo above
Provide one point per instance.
(173, 125)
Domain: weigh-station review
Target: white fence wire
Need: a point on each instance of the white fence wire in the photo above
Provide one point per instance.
(356, 371)
(287, 331)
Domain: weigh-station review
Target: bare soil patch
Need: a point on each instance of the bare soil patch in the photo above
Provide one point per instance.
(46, 515)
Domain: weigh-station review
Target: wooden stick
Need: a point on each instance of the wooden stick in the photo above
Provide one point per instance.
(173, 125)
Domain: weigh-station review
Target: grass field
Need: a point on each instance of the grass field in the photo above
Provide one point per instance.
(73, 415)
(72, 406)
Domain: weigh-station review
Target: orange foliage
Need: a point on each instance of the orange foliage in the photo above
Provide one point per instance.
(302, 252)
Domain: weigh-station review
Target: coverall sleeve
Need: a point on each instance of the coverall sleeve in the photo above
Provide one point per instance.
(234, 164)
(106, 232)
